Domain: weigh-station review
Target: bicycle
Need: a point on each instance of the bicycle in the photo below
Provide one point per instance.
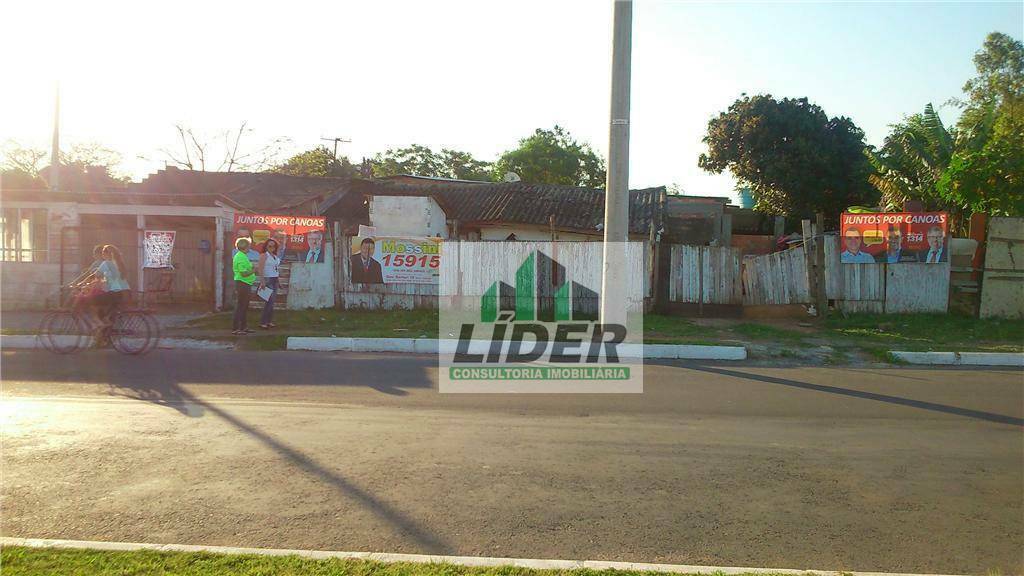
(133, 331)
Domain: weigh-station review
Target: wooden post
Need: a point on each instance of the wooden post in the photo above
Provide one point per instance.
(780, 227)
(809, 255)
(819, 264)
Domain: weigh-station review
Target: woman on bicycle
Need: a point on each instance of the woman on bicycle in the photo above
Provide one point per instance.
(115, 287)
(269, 269)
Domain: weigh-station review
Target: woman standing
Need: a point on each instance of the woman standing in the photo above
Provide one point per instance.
(270, 271)
(244, 277)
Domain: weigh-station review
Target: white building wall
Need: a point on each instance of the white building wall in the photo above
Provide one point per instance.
(415, 216)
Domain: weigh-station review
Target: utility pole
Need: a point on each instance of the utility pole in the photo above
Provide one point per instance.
(55, 145)
(336, 140)
(616, 197)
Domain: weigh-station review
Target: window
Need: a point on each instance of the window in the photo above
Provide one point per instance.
(23, 235)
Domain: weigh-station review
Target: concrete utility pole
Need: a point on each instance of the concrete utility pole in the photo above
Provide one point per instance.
(616, 201)
(55, 145)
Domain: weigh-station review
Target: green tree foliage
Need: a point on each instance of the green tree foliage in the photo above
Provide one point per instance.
(915, 155)
(553, 157)
(986, 174)
(795, 159)
(420, 160)
(318, 161)
(978, 166)
(20, 166)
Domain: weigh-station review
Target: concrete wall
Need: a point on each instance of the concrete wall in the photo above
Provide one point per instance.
(415, 216)
(32, 284)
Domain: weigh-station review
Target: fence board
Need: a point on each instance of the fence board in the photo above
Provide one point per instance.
(705, 274)
(917, 287)
(779, 278)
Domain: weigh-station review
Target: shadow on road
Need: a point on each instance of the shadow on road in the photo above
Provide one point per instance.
(899, 400)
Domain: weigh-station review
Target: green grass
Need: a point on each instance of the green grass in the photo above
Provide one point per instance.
(17, 561)
(362, 323)
(753, 331)
(869, 334)
(917, 332)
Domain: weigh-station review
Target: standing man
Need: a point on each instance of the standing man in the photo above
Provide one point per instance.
(365, 269)
(316, 247)
(244, 277)
(853, 253)
(936, 246)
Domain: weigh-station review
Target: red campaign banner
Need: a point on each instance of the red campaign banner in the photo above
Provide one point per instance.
(300, 237)
(894, 237)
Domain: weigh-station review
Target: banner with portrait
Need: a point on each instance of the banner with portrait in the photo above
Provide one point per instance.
(393, 260)
(299, 238)
(894, 237)
(158, 246)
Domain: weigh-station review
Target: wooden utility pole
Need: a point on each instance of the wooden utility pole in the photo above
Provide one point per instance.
(616, 197)
(336, 140)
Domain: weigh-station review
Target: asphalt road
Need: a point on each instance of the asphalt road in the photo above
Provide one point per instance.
(896, 469)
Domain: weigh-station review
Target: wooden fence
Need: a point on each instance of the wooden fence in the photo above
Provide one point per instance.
(703, 274)
(474, 266)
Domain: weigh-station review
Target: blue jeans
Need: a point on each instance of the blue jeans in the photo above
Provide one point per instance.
(268, 308)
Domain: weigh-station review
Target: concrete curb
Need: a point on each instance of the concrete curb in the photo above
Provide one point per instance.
(431, 559)
(446, 346)
(28, 342)
(960, 358)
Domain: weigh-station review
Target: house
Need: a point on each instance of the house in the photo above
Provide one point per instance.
(47, 235)
(497, 211)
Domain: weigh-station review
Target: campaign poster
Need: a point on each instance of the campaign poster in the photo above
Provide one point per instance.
(158, 246)
(894, 237)
(299, 238)
(388, 260)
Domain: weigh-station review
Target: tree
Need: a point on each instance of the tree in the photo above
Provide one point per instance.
(21, 166)
(795, 158)
(420, 160)
(915, 155)
(986, 173)
(319, 161)
(222, 153)
(552, 157)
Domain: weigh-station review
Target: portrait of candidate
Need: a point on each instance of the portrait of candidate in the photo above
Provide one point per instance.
(853, 253)
(365, 269)
(315, 238)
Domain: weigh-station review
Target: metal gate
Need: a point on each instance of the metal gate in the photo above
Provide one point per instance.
(191, 279)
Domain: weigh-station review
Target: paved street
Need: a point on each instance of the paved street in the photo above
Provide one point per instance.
(914, 470)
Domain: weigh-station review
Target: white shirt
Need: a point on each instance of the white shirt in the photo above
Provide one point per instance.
(937, 254)
(271, 266)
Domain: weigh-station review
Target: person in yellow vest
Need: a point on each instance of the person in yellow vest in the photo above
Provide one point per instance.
(244, 277)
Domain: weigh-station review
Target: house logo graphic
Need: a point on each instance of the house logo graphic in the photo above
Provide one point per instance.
(539, 326)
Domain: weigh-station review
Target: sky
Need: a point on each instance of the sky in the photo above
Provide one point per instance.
(475, 76)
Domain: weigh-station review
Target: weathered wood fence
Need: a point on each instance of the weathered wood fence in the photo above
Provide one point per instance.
(714, 275)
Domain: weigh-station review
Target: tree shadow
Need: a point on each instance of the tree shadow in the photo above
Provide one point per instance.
(888, 398)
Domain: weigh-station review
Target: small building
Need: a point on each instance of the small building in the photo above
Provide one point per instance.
(47, 236)
(497, 211)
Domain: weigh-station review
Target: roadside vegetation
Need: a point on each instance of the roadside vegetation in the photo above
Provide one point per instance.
(18, 560)
(837, 340)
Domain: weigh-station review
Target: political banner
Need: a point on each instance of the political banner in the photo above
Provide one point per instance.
(158, 246)
(894, 237)
(392, 260)
(299, 238)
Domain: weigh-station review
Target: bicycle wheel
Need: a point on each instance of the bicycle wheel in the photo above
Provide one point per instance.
(154, 332)
(62, 332)
(131, 333)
